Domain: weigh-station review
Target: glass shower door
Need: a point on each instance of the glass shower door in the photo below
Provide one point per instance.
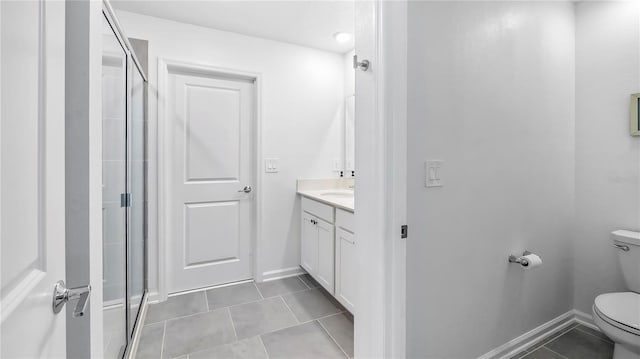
(137, 207)
(114, 167)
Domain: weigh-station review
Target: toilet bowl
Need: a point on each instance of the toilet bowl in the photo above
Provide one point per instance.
(618, 314)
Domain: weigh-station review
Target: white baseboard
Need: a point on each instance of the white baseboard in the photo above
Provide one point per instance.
(585, 319)
(529, 338)
(281, 273)
(153, 297)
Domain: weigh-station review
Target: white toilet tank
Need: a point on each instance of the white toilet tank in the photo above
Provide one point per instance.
(629, 260)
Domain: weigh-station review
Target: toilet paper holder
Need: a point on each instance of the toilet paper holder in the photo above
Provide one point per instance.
(520, 260)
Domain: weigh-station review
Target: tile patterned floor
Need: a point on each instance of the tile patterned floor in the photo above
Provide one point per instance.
(575, 342)
(287, 318)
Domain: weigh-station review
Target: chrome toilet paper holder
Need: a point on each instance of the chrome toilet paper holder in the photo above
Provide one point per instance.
(520, 260)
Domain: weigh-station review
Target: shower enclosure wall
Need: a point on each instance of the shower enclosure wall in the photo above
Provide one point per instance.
(123, 188)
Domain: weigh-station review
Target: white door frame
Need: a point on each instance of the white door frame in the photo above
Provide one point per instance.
(165, 67)
(381, 181)
(83, 136)
(382, 333)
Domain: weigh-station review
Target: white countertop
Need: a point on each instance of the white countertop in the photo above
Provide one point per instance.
(339, 198)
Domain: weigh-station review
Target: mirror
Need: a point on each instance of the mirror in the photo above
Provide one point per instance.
(349, 135)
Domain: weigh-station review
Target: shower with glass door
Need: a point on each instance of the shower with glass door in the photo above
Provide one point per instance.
(123, 188)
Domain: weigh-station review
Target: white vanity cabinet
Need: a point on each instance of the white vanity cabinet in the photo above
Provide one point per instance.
(317, 246)
(328, 249)
(326, 255)
(345, 287)
(309, 243)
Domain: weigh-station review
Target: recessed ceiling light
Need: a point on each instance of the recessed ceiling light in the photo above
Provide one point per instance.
(342, 37)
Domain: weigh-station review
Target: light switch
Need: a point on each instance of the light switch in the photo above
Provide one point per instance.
(433, 173)
(270, 165)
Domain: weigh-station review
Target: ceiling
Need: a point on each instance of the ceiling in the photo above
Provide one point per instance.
(309, 23)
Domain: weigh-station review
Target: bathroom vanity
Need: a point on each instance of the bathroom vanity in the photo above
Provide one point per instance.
(327, 245)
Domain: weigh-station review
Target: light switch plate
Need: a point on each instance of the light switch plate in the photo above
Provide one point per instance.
(271, 165)
(433, 174)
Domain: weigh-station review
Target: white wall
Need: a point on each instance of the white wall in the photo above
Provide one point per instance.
(607, 158)
(490, 92)
(302, 118)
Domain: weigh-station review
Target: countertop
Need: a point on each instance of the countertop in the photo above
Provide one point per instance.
(339, 198)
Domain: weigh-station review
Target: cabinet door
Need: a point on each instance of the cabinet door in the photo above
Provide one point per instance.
(326, 254)
(309, 244)
(345, 268)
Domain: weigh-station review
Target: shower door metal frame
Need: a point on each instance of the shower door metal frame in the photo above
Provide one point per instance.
(132, 64)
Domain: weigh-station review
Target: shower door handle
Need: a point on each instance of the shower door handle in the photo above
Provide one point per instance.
(62, 294)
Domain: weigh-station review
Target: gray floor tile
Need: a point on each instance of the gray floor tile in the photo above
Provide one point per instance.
(593, 332)
(311, 304)
(251, 348)
(178, 306)
(197, 332)
(232, 295)
(543, 353)
(309, 281)
(340, 327)
(519, 355)
(261, 317)
(545, 340)
(281, 286)
(307, 340)
(576, 344)
(150, 345)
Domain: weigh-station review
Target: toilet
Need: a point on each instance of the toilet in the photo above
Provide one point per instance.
(618, 314)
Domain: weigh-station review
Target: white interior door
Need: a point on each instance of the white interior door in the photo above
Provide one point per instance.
(211, 161)
(32, 177)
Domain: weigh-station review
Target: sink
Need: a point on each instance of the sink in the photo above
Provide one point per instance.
(342, 194)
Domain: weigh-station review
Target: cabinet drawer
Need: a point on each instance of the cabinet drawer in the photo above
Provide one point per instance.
(318, 209)
(345, 219)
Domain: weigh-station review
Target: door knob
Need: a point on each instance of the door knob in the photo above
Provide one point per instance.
(246, 189)
(62, 294)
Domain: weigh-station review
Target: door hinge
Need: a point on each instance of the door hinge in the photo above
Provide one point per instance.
(404, 231)
(125, 199)
(362, 65)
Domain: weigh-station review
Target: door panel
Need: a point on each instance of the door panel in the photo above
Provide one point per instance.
(211, 161)
(31, 177)
(345, 268)
(212, 146)
(326, 255)
(309, 244)
(203, 223)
